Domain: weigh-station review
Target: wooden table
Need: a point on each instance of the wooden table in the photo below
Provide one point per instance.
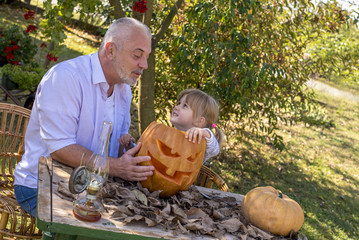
(66, 226)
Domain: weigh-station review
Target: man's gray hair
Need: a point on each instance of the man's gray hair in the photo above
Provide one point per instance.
(121, 26)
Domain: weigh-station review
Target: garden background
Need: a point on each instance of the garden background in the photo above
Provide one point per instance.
(255, 58)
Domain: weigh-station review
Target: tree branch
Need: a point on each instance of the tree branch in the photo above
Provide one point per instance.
(167, 22)
(117, 9)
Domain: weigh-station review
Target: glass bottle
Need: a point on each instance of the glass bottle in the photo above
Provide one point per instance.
(89, 208)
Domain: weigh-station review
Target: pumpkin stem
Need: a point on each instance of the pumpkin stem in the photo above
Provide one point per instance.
(280, 195)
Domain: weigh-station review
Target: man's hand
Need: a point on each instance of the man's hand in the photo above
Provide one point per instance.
(126, 166)
(196, 134)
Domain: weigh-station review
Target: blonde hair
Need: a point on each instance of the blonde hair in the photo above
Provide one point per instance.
(205, 106)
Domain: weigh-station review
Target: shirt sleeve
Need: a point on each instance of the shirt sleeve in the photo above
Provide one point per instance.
(212, 146)
(58, 108)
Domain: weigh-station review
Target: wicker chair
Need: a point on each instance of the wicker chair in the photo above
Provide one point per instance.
(207, 177)
(14, 222)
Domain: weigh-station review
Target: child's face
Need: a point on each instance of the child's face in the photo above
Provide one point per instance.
(182, 115)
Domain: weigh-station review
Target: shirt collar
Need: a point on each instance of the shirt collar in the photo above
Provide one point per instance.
(97, 72)
(98, 77)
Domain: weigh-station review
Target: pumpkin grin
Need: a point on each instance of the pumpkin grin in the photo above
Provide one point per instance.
(176, 176)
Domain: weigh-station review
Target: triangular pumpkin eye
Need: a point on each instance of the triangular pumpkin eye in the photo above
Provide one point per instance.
(166, 150)
(194, 159)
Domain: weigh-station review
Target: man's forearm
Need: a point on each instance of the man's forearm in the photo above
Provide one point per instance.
(71, 155)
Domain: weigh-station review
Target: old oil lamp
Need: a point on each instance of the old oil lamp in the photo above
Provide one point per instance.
(91, 176)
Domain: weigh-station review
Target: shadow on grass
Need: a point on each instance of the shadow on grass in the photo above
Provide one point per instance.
(87, 40)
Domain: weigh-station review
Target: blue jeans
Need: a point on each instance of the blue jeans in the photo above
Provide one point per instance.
(27, 198)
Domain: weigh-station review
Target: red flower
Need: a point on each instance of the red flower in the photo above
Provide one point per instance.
(7, 49)
(14, 62)
(9, 55)
(43, 45)
(140, 6)
(29, 15)
(31, 28)
(50, 57)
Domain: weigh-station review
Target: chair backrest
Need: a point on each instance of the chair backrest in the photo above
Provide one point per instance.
(207, 178)
(13, 124)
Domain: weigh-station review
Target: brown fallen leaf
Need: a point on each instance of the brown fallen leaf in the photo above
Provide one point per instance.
(196, 226)
(231, 225)
(262, 234)
(140, 196)
(134, 218)
(195, 213)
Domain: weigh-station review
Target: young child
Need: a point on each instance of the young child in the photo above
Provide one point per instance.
(195, 113)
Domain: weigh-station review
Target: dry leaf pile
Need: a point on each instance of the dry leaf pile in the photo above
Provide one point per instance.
(187, 211)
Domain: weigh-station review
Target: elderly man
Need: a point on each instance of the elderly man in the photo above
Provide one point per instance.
(72, 101)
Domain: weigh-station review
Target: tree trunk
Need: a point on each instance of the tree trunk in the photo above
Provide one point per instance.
(146, 95)
(146, 92)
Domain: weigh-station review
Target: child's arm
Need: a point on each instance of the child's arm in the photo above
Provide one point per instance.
(126, 142)
(126, 139)
(212, 147)
(196, 134)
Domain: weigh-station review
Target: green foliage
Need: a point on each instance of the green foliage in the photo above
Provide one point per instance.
(336, 55)
(94, 12)
(56, 15)
(12, 36)
(26, 76)
(248, 55)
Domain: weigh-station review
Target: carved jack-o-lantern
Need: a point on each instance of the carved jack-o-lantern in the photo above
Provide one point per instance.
(176, 160)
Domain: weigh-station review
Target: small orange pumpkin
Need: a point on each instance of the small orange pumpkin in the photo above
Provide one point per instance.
(176, 160)
(272, 211)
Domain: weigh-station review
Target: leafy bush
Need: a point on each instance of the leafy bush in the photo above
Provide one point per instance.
(16, 45)
(26, 76)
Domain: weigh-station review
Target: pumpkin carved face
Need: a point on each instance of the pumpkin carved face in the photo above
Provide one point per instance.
(176, 160)
(272, 211)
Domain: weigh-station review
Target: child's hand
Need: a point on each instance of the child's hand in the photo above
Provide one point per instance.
(195, 133)
(126, 139)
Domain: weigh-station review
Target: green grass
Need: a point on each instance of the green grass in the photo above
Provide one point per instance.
(319, 169)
